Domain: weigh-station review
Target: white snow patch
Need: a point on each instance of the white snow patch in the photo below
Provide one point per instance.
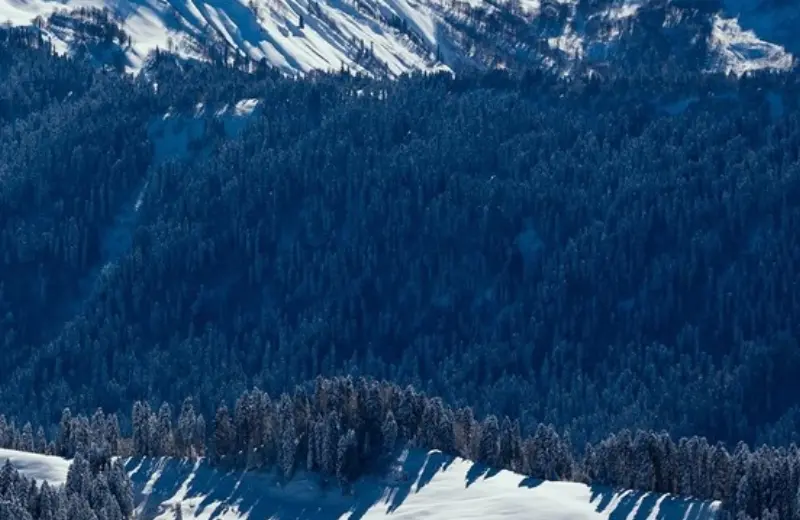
(623, 11)
(328, 39)
(43, 468)
(741, 51)
(245, 107)
(429, 485)
(436, 487)
(569, 42)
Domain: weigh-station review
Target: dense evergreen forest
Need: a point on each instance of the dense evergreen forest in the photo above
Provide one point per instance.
(598, 254)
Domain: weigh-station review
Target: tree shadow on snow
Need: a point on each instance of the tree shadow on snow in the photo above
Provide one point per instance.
(530, 482)
(478, 470)
(211, 492)
(634, 505)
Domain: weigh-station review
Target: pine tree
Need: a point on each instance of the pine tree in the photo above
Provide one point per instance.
(26, 440)
(63, 441)
(10, 510)
(389, 433)
(5, 437)
(347, 464)
(185, 432)
(330, 443)
(40, 442)
(78, 476)
(223, 435)
(488, 449)
(288, 447)
(141, 429)
(463, 432)
(121, 487)
(8, 476)
(199, 436)
(164, 433)
(80, 435)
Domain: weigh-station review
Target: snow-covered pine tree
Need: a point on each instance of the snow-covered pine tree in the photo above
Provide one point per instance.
(141, 428)
(26, 438)
(185, 431)
(347, 463)
(389, 433)
(64, 447)
(113, 433)
(223, 441)
(488, 448)
(164, 432)
(78, 476)
(40, 442)
(330, 443)
(287, 452)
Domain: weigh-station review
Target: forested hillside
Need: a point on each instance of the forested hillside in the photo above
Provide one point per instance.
(594, 254)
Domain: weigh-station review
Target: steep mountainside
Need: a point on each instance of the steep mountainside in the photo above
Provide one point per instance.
(390, 37)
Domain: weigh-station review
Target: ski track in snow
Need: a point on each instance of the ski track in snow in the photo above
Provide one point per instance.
(437, 487)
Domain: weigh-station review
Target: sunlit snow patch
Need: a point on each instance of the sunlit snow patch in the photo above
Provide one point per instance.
(430, 485)
(740, 51)
(52, 470)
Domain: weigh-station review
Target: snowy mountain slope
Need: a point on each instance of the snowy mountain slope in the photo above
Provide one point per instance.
(437, 487)
(390, 37)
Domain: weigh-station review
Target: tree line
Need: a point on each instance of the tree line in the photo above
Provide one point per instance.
(345, 428)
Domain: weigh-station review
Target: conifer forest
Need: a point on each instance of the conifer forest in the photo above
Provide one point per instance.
(589, 278)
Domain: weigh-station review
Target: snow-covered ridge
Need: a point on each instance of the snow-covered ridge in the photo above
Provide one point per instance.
(434, 486)
(390, 37)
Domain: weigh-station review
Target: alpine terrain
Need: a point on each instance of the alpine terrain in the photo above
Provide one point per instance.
(403, 259)
(391, 37)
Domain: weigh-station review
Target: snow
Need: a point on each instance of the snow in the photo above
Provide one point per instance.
(437, 487)
(53, 470)
(741, 51)
(260, 28)
(623, 11)
(338, 33)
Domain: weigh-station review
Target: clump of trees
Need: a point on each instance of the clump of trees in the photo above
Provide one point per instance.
(86, 495)
(96, 488)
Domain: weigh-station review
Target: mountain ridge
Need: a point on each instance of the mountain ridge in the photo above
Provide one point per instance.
(392, 37)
